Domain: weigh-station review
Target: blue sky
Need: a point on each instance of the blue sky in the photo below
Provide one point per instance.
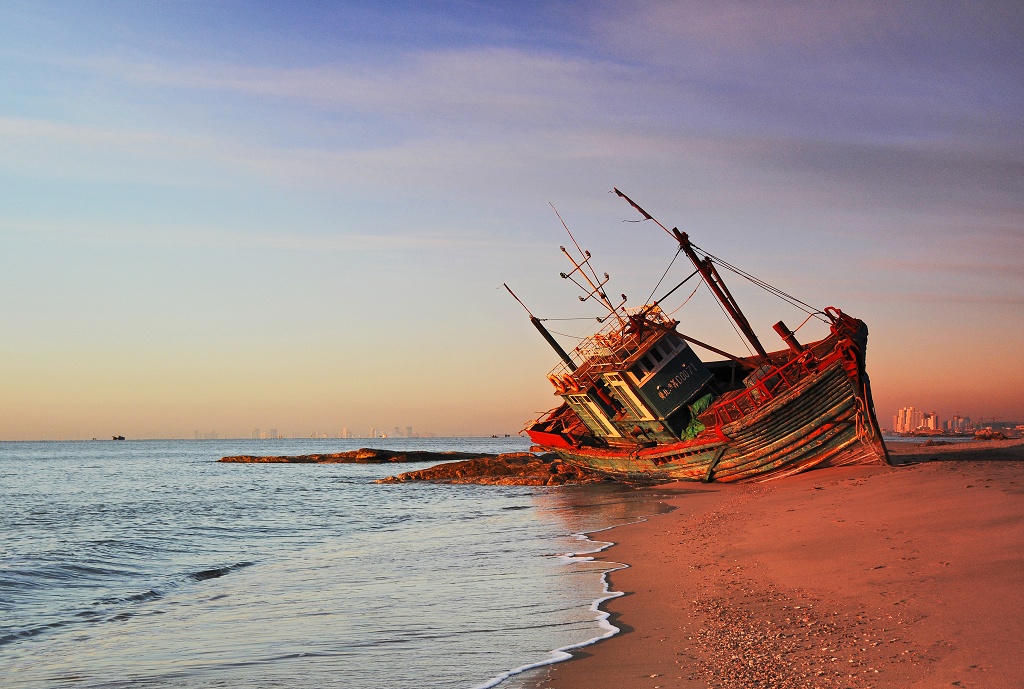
(222, 216)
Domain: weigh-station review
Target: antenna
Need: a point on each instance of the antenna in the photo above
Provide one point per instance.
(595, 283)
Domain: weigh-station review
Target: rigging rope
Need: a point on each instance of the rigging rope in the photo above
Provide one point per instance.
(699, 284)
(735, 329)
(803, 324)
(670, 264)
(574, 337)
(577, 318)
(793, 301)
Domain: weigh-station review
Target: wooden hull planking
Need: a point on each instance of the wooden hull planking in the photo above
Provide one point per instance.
(640, 405)
(826, 419)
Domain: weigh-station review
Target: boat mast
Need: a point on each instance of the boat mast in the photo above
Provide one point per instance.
(596, 285)
(596, 289)
(710, 274)
(544, 332)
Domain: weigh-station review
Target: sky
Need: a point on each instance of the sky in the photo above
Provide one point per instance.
(221, 216)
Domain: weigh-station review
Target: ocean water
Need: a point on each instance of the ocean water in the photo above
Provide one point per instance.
(147, 563)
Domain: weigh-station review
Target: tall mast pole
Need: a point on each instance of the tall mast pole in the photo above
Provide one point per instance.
(714, 281)
(545, 334)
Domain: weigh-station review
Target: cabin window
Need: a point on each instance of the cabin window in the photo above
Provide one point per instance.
(592, 415)
(626, 396)
(660, 353)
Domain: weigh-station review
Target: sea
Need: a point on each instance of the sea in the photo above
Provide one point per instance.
(146, 563)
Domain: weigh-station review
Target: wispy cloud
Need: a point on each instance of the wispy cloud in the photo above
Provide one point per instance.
(215, 237)
(457, 86)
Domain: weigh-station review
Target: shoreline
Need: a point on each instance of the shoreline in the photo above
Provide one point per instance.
(565, 653)
(902, 576)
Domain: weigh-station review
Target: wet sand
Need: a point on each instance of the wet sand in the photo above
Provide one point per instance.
(904, 576)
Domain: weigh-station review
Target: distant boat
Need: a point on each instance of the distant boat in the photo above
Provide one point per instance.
(117, 437)
(639, 405)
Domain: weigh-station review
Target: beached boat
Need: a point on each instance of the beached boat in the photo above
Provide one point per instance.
(638, 404)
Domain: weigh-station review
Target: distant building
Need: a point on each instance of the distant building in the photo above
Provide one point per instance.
(906, 420)
(910, 419)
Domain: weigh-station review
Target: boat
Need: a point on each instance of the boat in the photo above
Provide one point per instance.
(639, 405)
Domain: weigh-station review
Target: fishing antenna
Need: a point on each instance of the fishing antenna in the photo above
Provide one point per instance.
(595, 283)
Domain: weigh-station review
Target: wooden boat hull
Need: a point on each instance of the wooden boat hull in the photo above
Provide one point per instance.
(824, 419)
(639, 405)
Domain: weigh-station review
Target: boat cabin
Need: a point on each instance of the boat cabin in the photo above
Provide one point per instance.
(636, 381)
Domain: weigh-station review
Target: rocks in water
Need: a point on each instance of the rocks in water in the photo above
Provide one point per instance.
(512, 469)
(363, 455)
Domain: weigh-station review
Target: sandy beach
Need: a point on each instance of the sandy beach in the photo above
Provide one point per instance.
(902, 576)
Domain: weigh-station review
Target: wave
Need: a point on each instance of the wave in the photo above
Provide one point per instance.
(112, 608)
(609, 630)
(218, 572)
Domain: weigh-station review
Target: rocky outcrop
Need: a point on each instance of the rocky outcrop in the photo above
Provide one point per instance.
(514, 469)
(364, 455)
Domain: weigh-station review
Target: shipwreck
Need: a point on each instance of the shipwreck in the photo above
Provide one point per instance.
(638, 404)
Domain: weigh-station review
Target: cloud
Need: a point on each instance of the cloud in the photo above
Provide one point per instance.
(726, 28)
(685, 116)
(212, 237)
(848, 71)
(457, 86)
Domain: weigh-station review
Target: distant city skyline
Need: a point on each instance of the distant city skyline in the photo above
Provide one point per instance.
(910, 419)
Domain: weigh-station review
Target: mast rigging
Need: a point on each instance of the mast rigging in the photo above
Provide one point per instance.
(707, 270)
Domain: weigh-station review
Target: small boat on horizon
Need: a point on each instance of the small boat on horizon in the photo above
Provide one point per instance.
(117, 437)
(638, 404)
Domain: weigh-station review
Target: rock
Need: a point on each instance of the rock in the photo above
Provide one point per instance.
(363, 455)
(513, 469)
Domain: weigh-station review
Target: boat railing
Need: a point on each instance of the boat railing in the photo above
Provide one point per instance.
(611, 346)
(733, 406)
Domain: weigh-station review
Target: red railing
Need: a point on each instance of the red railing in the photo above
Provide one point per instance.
(736, 405)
